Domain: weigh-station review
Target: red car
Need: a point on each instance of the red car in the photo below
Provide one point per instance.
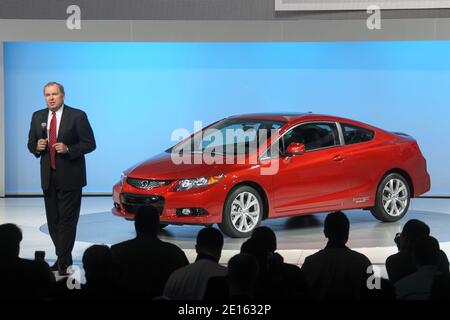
(278, 165)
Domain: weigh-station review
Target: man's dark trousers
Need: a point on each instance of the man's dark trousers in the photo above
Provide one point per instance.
(63, 210)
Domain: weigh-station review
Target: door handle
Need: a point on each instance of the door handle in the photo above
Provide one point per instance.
(338, 158)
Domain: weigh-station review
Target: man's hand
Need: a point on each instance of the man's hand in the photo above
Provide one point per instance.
(41, 145)
(61, 148)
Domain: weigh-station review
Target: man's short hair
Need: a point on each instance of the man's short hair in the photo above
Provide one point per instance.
(10, 238)
(336, 226)
(210, 238)
(146, 221)
(415, 229)
(265, 239)
(60, 86)
(98, 261)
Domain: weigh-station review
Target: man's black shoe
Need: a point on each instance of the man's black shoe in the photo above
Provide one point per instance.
(62, 270)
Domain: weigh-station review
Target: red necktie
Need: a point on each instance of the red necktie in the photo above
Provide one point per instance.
(52, 141)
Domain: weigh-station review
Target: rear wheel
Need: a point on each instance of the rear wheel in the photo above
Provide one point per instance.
(242, 212)
(392, 198)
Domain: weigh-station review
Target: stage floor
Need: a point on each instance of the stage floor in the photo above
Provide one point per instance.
(297, 237)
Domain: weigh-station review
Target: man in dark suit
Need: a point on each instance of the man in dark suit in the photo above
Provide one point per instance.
(61, 136)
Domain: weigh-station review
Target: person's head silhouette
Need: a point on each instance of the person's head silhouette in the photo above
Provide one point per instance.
(146, 221)
(248, 246)
(336, 228)
(413, 231)
(10, 238)
(209, 242)
(98, 263)
(264, 239)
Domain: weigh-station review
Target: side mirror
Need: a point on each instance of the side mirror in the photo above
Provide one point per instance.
(295, 148)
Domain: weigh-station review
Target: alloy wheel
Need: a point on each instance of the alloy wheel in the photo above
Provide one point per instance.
(245, 211)
(395, 197)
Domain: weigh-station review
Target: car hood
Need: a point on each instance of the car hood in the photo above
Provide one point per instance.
(162, 167)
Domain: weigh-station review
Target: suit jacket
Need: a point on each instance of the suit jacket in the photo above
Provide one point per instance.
(75, 132)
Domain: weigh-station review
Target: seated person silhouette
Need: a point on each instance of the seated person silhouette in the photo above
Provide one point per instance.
(418, 285)
(336, 272)
(146, 262)
(21, 278)
(189, 282)
(402, 264)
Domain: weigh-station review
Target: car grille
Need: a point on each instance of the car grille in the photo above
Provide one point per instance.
(131, 202)
(147, 184)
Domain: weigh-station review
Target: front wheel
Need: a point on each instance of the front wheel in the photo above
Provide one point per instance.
(242, 212)
(392, 198)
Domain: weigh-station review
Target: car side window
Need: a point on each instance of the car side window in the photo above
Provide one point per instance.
(313, 136)
(354, 134)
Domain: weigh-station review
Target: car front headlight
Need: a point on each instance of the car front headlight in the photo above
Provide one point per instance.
(188, 184)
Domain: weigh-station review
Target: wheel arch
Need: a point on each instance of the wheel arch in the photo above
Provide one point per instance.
(259, 189)
(405, 175)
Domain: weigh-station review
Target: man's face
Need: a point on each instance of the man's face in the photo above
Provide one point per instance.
(53, 97)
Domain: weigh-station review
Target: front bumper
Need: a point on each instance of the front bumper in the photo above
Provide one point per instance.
(211, 199)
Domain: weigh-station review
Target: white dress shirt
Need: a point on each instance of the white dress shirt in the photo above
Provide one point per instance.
(58, 120)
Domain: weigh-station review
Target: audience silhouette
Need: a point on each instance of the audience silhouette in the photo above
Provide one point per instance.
(336, 272)
(277, 280)
(189, 282)
(417, 286)
(146, 262)
(242, 276)
(402, 264)
(101, 272)
(146, 267)
(21, 278)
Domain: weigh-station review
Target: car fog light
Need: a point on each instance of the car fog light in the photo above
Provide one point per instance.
(191, 212)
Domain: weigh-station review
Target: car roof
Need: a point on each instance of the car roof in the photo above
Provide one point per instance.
(292, 118)
(278, 116)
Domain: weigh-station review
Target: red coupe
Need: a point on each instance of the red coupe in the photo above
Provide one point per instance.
(246, 168)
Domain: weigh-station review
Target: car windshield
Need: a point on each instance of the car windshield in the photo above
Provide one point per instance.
(230, 136)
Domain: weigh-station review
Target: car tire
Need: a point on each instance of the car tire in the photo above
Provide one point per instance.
(392, 198)
(242, 212)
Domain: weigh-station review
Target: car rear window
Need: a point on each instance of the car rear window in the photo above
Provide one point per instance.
(354, 134)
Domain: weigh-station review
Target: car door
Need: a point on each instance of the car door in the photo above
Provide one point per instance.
(311, 181)
(360, 166)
